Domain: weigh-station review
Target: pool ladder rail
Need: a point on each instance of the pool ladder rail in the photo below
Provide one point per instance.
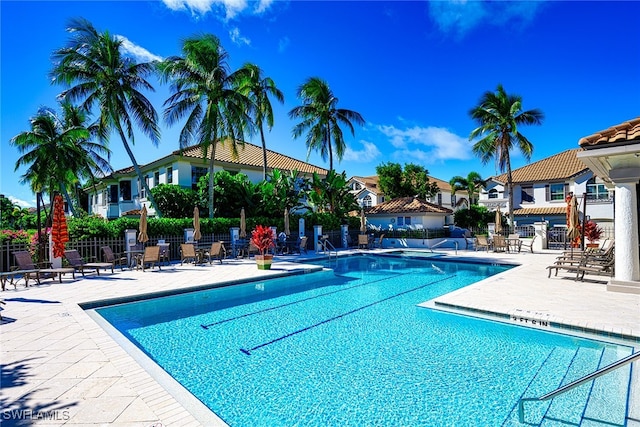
(324, 245)
(565, 388)
(443, 242)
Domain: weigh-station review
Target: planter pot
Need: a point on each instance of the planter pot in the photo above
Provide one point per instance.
(264, 262)
(593, 245)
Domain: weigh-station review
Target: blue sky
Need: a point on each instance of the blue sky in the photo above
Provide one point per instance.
(413, 69)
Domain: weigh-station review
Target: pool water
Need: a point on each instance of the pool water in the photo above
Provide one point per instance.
(349, 346)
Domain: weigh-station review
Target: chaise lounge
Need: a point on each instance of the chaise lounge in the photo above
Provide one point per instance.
(79, 264)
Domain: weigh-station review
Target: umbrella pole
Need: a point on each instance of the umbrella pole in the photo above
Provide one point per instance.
(584, 217)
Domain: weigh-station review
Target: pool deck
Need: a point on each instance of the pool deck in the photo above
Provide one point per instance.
(60, 367)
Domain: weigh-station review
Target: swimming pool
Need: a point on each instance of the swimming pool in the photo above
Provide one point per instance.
(350, 347)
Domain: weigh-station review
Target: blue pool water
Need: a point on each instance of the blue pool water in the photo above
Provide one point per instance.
(349, 346)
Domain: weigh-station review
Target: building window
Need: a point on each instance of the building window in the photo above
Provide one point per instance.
(366, 201)
(596, 190)
(403, 220)
(113, 194)
(125, 190)
(156, 178)
(169, 175)
(104, 198)
(527, 194)
(453, 200)
(356, 186)
(556, 191)
(197, 172)
(493, 193)
(439, 199)
(142, 190)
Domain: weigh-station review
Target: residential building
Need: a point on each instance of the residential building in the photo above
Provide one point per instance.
(614, 155)
(540, 190)
(368, 193)
(407, 213)
(121, 191)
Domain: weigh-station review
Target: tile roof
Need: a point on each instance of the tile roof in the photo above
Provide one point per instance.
(249, 155)
(370, 183)
(624, 132)
(557, 167)
(407, 205)
(548, 210)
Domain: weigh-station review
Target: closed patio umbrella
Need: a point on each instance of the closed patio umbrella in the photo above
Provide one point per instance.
(498, 220)
(287, 230)
(243, 225)
(142, 236)
(196, 224)
(59, 232)
(573, 226)
(363, 222)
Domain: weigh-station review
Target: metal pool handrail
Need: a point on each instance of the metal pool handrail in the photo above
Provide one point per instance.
(600, 372)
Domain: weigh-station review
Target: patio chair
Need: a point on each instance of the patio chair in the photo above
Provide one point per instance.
(217, 251)
(527, 243)
(482, 242)
(164, 252)
(151, 256)
(114, 259)
(188, 253)
(28, 269)
(500, 243)
(302, 247)
(363, 241)
(79, 264)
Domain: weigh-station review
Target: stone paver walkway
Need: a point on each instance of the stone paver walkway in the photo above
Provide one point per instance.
(59, 367)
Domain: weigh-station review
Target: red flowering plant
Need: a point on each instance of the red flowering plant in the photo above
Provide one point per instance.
(592, 231)
(262, 237)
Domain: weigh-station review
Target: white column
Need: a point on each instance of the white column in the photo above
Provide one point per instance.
(626, 232)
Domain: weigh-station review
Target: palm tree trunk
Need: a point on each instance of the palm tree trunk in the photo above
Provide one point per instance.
(264, 155)
(65, 193)
(136, 167)
(330, 149)
(211, 176)
(510, 190)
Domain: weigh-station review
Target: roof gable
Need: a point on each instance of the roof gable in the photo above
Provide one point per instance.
(407, 205)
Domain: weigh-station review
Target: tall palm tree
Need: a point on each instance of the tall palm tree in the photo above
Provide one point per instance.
(102, 74)
(321, 119)
(258, 88)
(205, 91)
(57, 151)
(471, 184)
(499, 116)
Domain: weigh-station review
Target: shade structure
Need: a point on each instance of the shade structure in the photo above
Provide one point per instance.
(196, 224)
(243, 225)
(498, 220)
(287, 230)
(363, 222)
(59, 232)
(142, 235)
(573, 225)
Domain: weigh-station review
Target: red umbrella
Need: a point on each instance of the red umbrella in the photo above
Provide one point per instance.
(59, 232)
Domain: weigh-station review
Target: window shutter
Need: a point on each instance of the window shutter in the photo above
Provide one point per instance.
(547, 194)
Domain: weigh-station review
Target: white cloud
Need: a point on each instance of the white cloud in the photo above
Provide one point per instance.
(458, 17)
(230, 8)
(368, 153)
(235, 36)
(21, 203)
(283, 44)
(440, 142)
(139, 53)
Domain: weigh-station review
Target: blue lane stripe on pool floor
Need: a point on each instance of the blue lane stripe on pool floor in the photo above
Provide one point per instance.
(248, 352)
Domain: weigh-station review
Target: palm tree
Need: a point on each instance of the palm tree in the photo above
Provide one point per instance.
(103, 75)
(498, 116)
(471, 184)
(57, 151)
(258, 88)
(321, 118)
(205, 91)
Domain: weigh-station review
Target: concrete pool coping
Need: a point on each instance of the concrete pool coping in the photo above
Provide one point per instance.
(60, 363)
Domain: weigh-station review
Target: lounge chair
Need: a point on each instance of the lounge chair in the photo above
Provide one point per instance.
(151, 256)
(587, 262)
(217, 251)
(363, 241)
(527, 243)
(482, 242)
(114, 259)
(28, 269)
(188, 253)
(76, 261)
(302, 247)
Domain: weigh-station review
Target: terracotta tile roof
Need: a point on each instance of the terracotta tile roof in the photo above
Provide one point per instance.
(407, 205)
(627, 131)
(370, 183)
(558, 167)
(549, 210)
(251, 155)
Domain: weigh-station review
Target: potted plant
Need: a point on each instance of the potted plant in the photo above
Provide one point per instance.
(592, 232)
(262, 238)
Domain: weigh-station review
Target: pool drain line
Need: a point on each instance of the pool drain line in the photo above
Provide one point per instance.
(248, 352)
